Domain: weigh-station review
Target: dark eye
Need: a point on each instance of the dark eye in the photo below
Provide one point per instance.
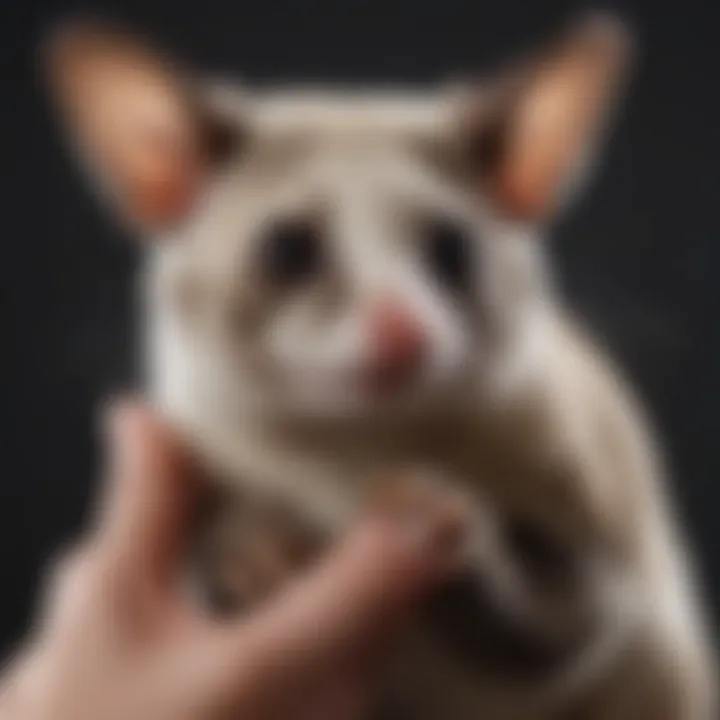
(292, 252)
(538, 550)
(448, 248)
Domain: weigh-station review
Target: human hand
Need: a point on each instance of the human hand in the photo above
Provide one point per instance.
(119, 639)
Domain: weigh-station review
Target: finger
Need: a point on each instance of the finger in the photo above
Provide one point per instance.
(147, 503)
(361, 590)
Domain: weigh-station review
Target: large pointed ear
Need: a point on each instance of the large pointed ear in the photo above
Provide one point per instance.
(529, 133)
(136, 120)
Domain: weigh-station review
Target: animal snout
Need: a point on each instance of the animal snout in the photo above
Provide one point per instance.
(398, 343)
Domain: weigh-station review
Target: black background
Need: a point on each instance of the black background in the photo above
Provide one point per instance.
(639, 255)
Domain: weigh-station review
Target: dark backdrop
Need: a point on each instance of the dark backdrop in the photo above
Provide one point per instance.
(639, 256)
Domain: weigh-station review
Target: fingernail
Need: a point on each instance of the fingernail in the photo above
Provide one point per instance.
(436, 533)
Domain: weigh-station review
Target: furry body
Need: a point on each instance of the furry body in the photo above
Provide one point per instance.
(571, 452)
(357, 284)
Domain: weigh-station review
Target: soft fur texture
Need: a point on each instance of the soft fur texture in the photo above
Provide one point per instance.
(510, 405)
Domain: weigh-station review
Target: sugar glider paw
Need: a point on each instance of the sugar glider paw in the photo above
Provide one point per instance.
(423, 493)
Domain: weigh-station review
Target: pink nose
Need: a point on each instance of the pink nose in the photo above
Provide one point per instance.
(398, 345)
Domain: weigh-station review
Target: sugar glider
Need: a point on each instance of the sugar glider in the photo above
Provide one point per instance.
(339, 284)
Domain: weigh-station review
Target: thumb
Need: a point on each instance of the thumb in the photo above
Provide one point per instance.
(149, 491)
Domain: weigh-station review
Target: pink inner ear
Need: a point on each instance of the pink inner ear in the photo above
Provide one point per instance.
(546, 140)
(132, 115)
(157, 162)
(164, 201)
(166, 180)
(524, 195)
(156, 183)
(558, 114)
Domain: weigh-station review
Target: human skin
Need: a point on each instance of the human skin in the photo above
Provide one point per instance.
(118, 639)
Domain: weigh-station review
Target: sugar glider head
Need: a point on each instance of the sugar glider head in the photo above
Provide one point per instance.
(334, 252)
